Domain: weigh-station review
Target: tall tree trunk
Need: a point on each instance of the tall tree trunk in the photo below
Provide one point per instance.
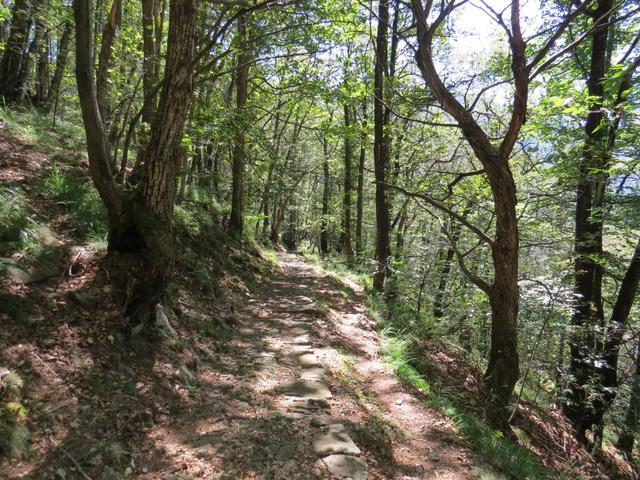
(152, 209)
(150, 75)
(324, 223)
(381, 150)
(15, 52)
(503, 365)
(588, 313)
(42, 67)
(360, 186)
(61, 65)
(346, 200)
(277, 134)
(104, 57)
(237, 167)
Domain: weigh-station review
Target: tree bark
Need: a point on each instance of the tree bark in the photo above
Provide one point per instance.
(15, 52)
(438, 302)
(104, 57)
(61, 65)
(588, 313)
(346, 199)
(360, 186)
(237, 166)
(42, 68)
(143, 220)
(324, 224)
(381, 150)
(632, 417)
(150, 75)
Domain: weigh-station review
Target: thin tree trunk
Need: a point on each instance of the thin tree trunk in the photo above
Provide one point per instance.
(588, 311)
(150, 75)
(42, 68)
(360, 186)
(438, 302)
(346, 201)
(104, 58)
(237, 167)
(324, 224)
(61, 65)
(14, 54)
(632, 417)
(381, 150)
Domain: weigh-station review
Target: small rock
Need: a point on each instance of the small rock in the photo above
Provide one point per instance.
(83, 298)
(107, 289)
(109, 474)
(162, 321)
(399, 401)
(61, 474)
(187, 377)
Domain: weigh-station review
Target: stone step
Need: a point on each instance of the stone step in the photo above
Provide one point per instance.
(346, 466)
(336, 440)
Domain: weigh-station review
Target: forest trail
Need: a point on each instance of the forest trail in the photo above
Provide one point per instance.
(315, 394)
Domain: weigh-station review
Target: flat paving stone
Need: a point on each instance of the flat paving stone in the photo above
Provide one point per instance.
(306, 389)
(314, 374)
(336, 440)
(300, 349)
(308, 360)
(346, 466)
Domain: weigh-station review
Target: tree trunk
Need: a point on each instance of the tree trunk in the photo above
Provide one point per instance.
(104, 58)
(143, 221)
(237, 167)
(502, 370)
(152, 211)
(360, 187)
(588, 313)
(346, 201)
(42, 68)
(324, 225)
(438, 302)
(277, 135)
(150, 75)
(503, 365)
(61, 65)
(15, 52)
(607, 366)
(632, 417)
(381, 150)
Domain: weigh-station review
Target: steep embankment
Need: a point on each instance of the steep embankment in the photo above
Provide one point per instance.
(74, 387)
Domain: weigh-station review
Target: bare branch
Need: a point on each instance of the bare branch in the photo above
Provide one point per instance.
(441, 206)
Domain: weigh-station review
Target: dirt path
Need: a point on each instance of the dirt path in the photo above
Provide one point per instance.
(298, 391)
(307, 395)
